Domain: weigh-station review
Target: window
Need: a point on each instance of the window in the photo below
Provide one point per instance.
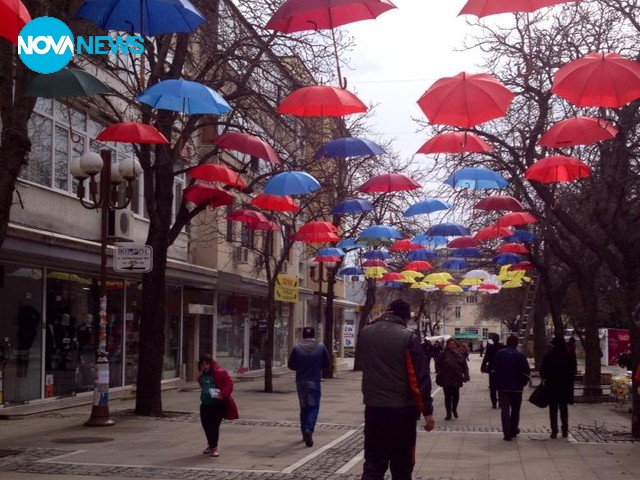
(485, 333)
(229, 234)
(457, 312)
(247, 236)
(456, 330)
(472, 299)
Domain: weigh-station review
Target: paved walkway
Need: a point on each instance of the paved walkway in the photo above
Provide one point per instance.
(266, 444)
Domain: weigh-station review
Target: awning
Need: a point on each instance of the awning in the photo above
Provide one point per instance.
(466, 336)
(338, 302)
(231, 282)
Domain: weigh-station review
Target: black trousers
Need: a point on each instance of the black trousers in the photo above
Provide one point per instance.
(493, 391)
(211, 418)
(389, 442)
(554, 406)
(510, 403)
(451, 399)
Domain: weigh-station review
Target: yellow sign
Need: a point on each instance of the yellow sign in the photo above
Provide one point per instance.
(287, 288)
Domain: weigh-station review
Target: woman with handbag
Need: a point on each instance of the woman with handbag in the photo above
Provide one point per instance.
(558, 370)
(216, 401)
(451, 372)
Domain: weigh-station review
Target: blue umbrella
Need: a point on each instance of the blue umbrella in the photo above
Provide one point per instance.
(349, 243)
(158, 16)
(426, 206)
(330, 252)
(393, 285)
(429, 241)
(348, 147)
(184, 96)
(469, 252)
(376, 255)
(291, 183)
(455, 264)
(351, 271)
(519, 236)
(378, 235)
(449, 229)
(421, 255)
(352, 205)
(507, 258)
(476, 178)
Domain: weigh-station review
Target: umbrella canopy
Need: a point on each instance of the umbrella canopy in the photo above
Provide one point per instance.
(515, 218)
(184, 96)
(209, 172)
(147, 17)
(520, 236)
(247, 144)
(465, 100)
(374, 262)
(429, 241)
(348, 147)
(557, 168)
(277, 203)
(419, 255)
(300, 15)
(404, 245)
(507, 258)
(499, 202)
(214, 196)
(132, 132)
(428, 205)
(455, 142)
(13, 17)
(349, 243)
(577, 131)
(330, 252)
(374, 272)
(291, 183)
(317, 227)
(476, 274)
(476, 178)
(455, 264)
(525, 265)
(379, 232)
(68, 82)
(483, 8)
(513, 247)
(418, 266)
(376, 255)
(467, 252)
(321, 101)
(352, 205)
(389, 182)
(351, 271)
(268, 226)
(491, 232)
(452, 289)
(463, 242)
(448, 229)
(247, 216)
(315, 237)
(392, 277)
(598, 80)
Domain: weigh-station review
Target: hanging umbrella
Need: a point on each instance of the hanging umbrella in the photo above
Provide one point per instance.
(507, 258)
(465, 100)
(68, 82)
(291, 183)
(428, 205)
(418, 266)
(209, 172)
(522, 266)
(378, 235)
(268, 226)
(330, 252)
(404, 245)
(557, 168)
(476, 178)
(146, 17)
(247, 216)
(411, 274)
(315, 237)
(421, 255)
(321, 101)
(463, 242)
(470, 282)
(351, 271)
(452, 289)
(247, 144)
(317, 227)
(214, 196)
(349, 243)
(598, 80)
(483, 8)
(132, 132)
(513, 247)
(515, 218)
(374, 262)
(455, 142)
(491, 232)
(577, 131)
(277, 203)
(348, 147)
(13, 17)
(374, 272)
(476, 274)
(499, 202)
(455, 264)
(467, 252)
(327, 259)
(376, 255)
(389, 182)
(392, 277)
(448, 229)
(352, 205)
(520, 236)
(184, 96)
(429, 241)
(438, 278)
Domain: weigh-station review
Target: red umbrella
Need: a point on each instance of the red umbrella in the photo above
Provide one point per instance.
(277, 203)
(404, 245)
(455, 142)
(317, 227)
(463, 242)
(389, 182)
(374, 262)
(418, 266)
(268, 226)
(248, 144)
(13, 16)
(299, 15)
(499, 202)
(209, 172)
(321, 101)
(598, 80)
(483, 8)
(392, 277)
(577, 131)
(247, 216)
(513, 248)
(557, 168)
(491, 232)
(315, 237)
(465, 100)
(132, 132)
(515, 218)
(522, 266)
(199, 194)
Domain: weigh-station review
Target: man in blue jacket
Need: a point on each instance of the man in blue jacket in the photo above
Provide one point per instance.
(511, 370)
(308, 358)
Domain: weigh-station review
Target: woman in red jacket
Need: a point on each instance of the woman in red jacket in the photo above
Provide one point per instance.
(216, 401)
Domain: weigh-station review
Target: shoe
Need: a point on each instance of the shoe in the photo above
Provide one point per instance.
(207, 451)
(214, 452)
(448, 417)
(307, 436)
(455, 414)
(508, 439)
(516, 433)
(494, 406)
(565, 433)
(554, 435)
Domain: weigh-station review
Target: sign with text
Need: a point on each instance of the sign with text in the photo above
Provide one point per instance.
(133, 258)
(286, 288)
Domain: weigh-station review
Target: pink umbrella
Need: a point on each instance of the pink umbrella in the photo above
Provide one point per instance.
(389, 182)
(247, 216)
(210, 172)
(247, 144)
(483, 8)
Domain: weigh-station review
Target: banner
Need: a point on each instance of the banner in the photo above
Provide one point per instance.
(286, 288)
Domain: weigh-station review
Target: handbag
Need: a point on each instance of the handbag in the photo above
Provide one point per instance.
(539, 396)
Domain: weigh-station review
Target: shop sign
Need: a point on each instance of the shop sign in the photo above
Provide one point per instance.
(133, 258)
(286, 288)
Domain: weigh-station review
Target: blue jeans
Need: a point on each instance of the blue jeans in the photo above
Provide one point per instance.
(309, 397)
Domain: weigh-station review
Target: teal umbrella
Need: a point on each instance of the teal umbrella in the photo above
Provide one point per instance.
(68, 82)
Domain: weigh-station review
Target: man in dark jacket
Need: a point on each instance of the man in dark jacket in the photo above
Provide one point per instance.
(397, 388)
(487, 366)
(308, 358)
(511, 370)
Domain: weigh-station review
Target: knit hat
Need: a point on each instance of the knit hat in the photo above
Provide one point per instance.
(400, 308)
(512, 341)
(308, 332)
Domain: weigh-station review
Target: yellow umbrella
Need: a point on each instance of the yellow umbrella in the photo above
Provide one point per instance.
(412, 274)
(452, 289)
(419, 285)
(469, 282)
(406, 280)
(438, 278)
(374, 272)
(512, 284)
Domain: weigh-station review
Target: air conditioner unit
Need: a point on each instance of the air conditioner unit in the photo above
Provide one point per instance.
(240, 255)
(120, 224)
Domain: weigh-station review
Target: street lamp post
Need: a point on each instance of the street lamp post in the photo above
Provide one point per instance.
(103, 196)
(317, 274)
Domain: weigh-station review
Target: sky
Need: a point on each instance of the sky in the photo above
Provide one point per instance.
(397, 58)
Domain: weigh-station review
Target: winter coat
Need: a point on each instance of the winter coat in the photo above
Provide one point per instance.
(558, 370)
(224, 383)
(451, 368)
(510, 369)
(308, 358)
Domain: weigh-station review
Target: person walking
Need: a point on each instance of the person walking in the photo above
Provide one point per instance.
(396, 389)
(452, 371)
(308, 358)
(487, 366)
(558, 370)
(511, 370)
(216, 401)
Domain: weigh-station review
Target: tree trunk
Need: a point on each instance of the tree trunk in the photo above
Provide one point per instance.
(271, 327)
(329, 319)
(370, 301)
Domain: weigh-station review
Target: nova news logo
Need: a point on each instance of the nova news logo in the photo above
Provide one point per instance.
(46, 45)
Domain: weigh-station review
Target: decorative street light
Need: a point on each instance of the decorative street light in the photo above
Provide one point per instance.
(103, 196)
(319, 274)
